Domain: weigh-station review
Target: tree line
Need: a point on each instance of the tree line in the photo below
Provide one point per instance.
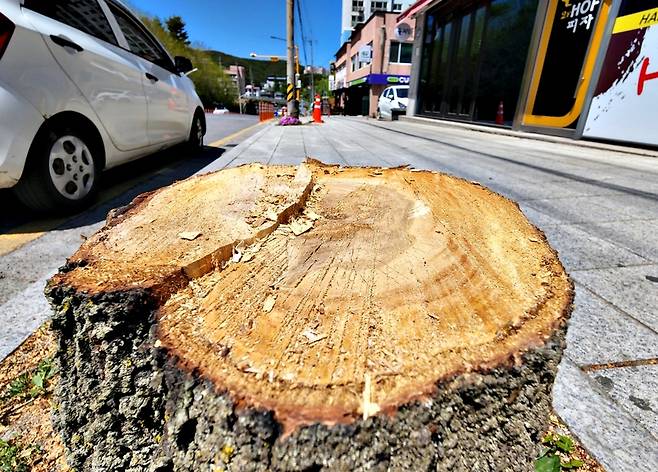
(212, 84)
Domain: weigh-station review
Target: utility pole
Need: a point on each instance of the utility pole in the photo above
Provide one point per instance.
(290, 38)
(312, 73)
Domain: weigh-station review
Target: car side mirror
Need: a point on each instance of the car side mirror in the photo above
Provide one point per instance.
(183, 64)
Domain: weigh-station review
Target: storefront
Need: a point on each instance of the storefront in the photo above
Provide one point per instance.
(578, 68)
(365, 92)
(377, 55)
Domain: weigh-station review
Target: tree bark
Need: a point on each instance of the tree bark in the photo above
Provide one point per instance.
(280, 318)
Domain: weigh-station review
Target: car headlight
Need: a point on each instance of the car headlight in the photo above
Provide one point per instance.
(402, 106)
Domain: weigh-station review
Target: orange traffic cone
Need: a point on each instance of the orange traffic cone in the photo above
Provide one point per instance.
(500, 115)
(317, 110)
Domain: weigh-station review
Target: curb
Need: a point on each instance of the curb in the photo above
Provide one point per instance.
(534, 136)
(225, 159)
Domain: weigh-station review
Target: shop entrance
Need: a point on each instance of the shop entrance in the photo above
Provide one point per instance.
(474, 57)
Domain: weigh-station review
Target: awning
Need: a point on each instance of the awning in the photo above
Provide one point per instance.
(413, 9)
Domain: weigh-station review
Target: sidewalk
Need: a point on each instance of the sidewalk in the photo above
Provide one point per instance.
(599, 209)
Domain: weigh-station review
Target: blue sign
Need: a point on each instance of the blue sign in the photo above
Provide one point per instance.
(385, 79)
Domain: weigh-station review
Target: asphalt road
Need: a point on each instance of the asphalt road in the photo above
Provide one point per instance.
(33, 246)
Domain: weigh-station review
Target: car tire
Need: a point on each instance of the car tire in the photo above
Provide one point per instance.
(195, 141)
(379, 115)
(61, 172)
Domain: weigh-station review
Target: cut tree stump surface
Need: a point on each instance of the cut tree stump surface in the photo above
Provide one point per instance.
(327, 295)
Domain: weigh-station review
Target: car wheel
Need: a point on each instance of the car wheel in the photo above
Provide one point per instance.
(61, 173)
(379, 114)
(195, 143)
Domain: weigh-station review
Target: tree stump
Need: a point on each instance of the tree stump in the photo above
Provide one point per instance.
(282, 318)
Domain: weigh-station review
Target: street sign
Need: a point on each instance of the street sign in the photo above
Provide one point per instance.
(403, 31)
(365, 54)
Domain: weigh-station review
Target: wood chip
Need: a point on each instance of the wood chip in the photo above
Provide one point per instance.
(258, 222)
(189, 235)
(369, 408)
(300, 226)
(312, 215)
(312, 336)
(271, 214)
(269, 303)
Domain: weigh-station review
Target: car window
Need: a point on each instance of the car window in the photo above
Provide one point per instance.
(402, 92)
(387, 93)
(139, 41)
(84, 15)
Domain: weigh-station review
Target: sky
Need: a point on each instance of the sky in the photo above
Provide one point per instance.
(243, 27)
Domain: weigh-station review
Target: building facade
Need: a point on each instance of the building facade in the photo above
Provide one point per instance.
(358, 11)
(577, 68)
(237, 75)
(376, 55)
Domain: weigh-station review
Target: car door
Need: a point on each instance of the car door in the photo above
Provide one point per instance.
(385, 107)
(169, 118)
(80, 37)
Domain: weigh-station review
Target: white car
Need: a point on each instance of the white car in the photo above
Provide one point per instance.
(220, 111)
(393, 101)
(84, 87)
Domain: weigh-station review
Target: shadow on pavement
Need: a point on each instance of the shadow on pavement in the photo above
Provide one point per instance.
(119, 186)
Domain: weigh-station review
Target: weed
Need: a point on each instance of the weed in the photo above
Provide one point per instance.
(41, 377)
(555, 445)
(19, 385)
(11, 458)
(30, 384)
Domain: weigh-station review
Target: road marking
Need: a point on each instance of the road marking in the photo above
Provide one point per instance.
(11, 242)
(230, 137)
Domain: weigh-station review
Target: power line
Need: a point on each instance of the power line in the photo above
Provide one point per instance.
(301, 29)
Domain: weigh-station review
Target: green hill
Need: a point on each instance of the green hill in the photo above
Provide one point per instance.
(256, 70)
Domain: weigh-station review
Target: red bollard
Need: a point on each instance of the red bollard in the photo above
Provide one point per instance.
(500, 115)
(317, 110)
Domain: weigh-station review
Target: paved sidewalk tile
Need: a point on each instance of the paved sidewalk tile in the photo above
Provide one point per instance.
(599, 333)
(578, 209)
(636, 390)
(640, 236)
(580, 249)
(628, 288)
(22, 315)
(612, 435)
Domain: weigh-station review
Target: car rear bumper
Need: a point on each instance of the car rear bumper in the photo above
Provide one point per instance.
(19, 123)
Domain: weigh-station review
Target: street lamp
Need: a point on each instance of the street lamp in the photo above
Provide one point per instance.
(271, 57)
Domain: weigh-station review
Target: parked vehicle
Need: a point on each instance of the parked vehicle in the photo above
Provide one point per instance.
(220, 111)
(392, 102)
(84, 86)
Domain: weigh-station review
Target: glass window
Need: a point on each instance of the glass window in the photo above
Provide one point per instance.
(395, 52)
(84, 15)
(140, 42)
(402, 92)
(504, 50)
(400, 52)
(405, 53)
